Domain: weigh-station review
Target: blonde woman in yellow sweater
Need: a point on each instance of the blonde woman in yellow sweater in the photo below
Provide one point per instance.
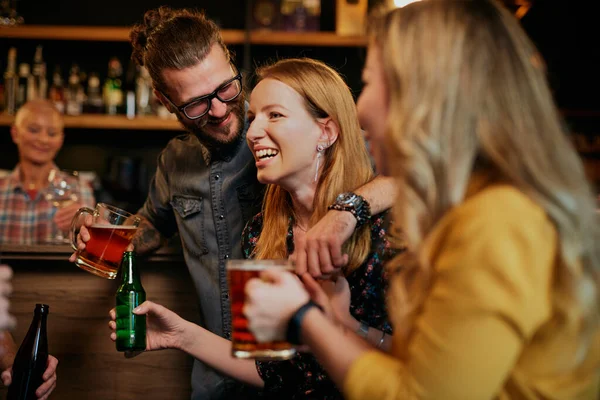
(500, 296)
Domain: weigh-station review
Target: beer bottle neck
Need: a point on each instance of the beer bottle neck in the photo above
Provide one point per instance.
(40, 315)
(129, 270)
(35, 340)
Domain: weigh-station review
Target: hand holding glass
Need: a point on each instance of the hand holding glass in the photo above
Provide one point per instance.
(244, 344)
(111, 232)
(63, 190)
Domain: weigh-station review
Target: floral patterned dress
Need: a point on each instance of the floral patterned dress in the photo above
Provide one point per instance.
(303, 377)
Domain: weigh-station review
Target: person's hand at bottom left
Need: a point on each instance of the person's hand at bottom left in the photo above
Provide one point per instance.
(49, 377)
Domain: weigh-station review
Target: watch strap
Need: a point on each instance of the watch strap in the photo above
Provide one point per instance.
(362, 211)
(294, 327)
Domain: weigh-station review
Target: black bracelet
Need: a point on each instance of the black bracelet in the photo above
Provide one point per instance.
(294, 327)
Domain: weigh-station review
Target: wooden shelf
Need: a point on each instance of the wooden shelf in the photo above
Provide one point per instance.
(325, 39)
(121, 34)
(91, 121)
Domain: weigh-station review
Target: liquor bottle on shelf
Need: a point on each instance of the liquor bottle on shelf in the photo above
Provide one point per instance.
(42, 86)
(31, 359)
(94, 103)
(301, 15)
(75, 95)
(265, 15)
(25, 85)
(144, 94)
(113, 94)
(57, 90)
(38, 72)
(129, 89)
(10, 82)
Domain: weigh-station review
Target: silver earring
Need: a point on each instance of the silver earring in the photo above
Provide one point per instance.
(320, 149)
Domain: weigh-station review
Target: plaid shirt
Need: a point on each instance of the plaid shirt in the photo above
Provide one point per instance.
(26, 220)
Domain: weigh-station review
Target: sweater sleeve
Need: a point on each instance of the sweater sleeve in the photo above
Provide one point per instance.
(492, 259)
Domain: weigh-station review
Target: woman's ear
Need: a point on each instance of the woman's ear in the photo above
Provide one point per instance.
(329, 131)
(14, 133)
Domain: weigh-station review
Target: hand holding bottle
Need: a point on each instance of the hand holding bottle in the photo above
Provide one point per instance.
(49, 377)
(164, 328)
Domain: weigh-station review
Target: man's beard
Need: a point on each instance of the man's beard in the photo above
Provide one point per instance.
(218, 139)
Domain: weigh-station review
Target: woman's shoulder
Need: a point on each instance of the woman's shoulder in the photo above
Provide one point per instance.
(500, 204)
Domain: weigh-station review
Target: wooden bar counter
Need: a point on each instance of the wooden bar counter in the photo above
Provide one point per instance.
(78, 334)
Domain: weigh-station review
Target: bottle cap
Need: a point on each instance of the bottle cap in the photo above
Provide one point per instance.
(42, 307)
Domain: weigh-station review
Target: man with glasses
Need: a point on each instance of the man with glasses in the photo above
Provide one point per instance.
(205, 186)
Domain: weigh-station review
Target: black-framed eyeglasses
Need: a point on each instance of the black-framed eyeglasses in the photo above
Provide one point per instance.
(199, 106)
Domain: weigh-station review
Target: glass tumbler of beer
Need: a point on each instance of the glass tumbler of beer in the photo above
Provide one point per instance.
(110, 233)
(244, 344)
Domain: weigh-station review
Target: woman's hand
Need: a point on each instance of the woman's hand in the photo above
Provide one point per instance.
(270, 303)
(164, 328)
(338, 294)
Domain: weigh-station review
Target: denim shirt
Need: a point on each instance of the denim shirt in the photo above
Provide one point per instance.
(208, 200)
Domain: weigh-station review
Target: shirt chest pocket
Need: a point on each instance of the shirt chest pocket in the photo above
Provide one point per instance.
(190, 223)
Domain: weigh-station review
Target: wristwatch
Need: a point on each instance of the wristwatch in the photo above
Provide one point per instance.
(355, 204)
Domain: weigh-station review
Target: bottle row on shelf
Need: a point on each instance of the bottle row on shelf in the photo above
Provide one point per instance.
(82, 93)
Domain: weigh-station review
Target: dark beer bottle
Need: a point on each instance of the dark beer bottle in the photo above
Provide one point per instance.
(131, 328)
(31, 359)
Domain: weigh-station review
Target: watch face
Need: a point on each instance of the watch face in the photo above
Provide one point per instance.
(349, 199)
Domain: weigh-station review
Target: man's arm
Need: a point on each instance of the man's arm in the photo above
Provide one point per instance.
(380, 193)
(321, 252)
(147, 238)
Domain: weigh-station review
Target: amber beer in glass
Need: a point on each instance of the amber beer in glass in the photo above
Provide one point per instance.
(110, 233)
(244, 345)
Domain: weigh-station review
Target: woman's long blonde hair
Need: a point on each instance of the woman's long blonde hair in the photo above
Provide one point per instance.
(346, 164)
(468, 93)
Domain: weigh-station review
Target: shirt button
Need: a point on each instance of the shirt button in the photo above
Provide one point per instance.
(217, 177)
(226, 256)
(221, 216)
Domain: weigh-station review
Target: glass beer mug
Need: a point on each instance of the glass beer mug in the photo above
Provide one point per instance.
(110, 234)
(244, 344)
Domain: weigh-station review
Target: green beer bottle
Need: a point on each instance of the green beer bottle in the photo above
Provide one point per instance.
(131, 328)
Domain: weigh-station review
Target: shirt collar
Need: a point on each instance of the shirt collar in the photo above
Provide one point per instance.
(14, 178)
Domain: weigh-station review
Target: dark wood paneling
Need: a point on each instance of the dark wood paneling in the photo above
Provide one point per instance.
(89, 365)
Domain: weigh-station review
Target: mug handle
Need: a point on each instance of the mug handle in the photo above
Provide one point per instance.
(74, 228)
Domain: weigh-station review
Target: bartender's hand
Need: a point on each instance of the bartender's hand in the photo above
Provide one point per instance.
(64, 215)
(7, 321)
(49, 377)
